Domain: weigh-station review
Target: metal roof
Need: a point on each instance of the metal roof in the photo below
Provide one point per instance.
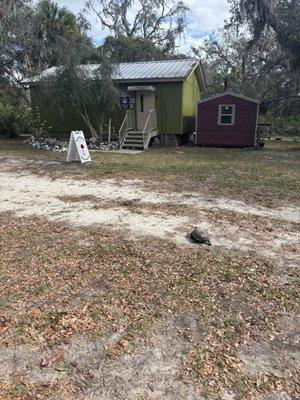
(176, 70)
(173, 69)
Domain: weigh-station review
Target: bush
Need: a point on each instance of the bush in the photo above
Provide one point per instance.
(15, 120)
(8, 121)
(288, 126)
(31, 122)
(282, 125)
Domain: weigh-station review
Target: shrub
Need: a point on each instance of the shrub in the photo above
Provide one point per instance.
(8, 121)
(15, 120)
(31, 122)
(288, 126)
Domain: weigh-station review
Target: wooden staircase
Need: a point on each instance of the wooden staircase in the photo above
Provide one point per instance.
(134, 139)
(129, 138)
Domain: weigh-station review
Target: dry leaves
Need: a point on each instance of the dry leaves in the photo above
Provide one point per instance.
(53, 289)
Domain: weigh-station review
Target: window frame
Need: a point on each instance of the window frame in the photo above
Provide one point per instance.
(220, 115)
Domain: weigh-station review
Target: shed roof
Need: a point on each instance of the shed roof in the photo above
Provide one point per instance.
(228, 93)
(146, 71)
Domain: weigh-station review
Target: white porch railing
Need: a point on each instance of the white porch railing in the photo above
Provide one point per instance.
(127, 125)
(149, 128)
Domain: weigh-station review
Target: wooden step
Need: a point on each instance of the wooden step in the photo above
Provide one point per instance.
(133, 140)
(138, 140)
(133, 145)
(139, 135)
(134, 135)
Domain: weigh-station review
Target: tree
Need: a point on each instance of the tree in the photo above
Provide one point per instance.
(282, 16)
(91, 93)
(127, 49)
(58, 28)
(55, 21)
(28, 48)
(258, 72)
(132, 49)
(159, 21)
(55, 27)
(16, 113)
(43, 41)
(14, 34)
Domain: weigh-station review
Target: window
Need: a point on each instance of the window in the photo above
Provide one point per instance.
(226, 114)
(142, 102)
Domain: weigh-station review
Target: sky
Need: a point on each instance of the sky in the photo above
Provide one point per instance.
(203, 18)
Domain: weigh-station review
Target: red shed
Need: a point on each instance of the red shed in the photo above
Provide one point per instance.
(227, 119)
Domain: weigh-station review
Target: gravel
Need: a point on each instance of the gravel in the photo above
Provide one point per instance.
(53, 144)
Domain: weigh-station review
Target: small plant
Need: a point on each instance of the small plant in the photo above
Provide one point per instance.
(96, 314)
(19, 390)
(39, 289)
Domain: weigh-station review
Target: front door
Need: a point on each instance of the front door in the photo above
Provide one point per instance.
(145, 101)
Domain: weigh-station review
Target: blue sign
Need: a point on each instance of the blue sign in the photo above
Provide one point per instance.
(124, 102)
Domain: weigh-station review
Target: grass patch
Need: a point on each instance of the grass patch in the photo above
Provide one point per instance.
(269, 176)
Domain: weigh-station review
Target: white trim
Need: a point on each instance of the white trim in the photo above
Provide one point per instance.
(232, 115)
(200, 77)
(196, 127)
(190, 74)
(255, 135)
(139, 88)
(228, 93)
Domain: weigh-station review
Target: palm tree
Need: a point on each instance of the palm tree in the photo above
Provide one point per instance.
(55, 21)
(55, 26)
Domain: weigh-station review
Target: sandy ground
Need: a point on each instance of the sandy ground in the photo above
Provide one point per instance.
(150, 372)
(137, 375)
(126, 206)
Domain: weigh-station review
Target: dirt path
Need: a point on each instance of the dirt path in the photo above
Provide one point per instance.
(126, 206)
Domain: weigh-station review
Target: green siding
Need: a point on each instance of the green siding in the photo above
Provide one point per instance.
(68, 119)
(174, 103)
(190, 96)
(56, 120)
(168, 107)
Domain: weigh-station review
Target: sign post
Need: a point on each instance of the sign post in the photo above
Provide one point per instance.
(78, 150)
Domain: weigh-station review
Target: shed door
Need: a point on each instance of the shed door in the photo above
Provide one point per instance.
(145, 101)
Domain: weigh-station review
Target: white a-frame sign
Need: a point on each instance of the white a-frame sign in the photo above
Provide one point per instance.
(78, 150)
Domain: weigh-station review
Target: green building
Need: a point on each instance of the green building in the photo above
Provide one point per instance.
(160, 97)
